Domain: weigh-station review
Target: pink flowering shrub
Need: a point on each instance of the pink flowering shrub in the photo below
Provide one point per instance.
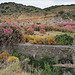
(42, 27)
(10, 34)
(42, 31)
(48, 28)
(70, 27)
(64, 24)
(30, 31)
(37, 27)
(64, 27)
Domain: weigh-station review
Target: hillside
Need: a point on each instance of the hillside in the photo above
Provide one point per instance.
(11, 7)
(13, 12)
(62, 10)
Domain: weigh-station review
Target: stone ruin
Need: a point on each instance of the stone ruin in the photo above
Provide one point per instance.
(74, 42)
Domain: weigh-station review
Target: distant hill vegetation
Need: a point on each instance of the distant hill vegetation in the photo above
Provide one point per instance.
(62, 10)
(19, 11)
(56, 6)
(11, 7)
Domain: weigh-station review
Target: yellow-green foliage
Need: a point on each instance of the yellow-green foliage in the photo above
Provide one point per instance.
(50, 40)
(5, 55)
(27, 38)
(32, 41)
(12, 59)
(0, 57)
(38, 40)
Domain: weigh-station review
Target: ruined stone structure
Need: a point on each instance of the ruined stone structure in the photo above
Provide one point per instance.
(36, 50)
(74, 42)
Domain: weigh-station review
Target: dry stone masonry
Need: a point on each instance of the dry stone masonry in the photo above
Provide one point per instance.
(53, 50)
(36, 51)
(74, 42)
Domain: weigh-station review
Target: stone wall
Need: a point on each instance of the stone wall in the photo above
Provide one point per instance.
(74, 42)
(37, 50)
(53, 50)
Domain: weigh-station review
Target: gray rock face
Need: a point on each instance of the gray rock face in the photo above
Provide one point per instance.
(36, 51)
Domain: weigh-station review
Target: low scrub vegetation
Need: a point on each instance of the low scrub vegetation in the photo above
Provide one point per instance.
(10, 34)
(28, 66)
(39, 40)
(64, 39)
(64, 27)
(14, 33)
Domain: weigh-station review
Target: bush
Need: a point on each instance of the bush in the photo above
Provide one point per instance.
(5, 55)
(38, 40)
(61, 12)
(32, 41)
(73, 15)
(42, 31)
(49, 70)
(37, 27)
(0, 57)
(12, 59)
(15, 54)
(10, 34)
(27, 38)
(64, 39)
(30, 31)
(50, 41)
(25, 28)
(48, 28)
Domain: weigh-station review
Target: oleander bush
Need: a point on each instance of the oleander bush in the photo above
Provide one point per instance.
(37, 27)
(42, 31)
(10, 33)
(48, 28)
(64, 39)
(64, 27)
(30, 31)
(25, 28)
(69, 27)
(42, 27)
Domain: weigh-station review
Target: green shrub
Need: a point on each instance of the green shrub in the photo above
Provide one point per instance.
(64, 39)
(15, 54)
(50, 71)
(73, 15)
(46, 58)
(61, 12)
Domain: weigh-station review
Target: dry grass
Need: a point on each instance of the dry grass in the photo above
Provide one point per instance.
(51, 34)
(12, 69)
